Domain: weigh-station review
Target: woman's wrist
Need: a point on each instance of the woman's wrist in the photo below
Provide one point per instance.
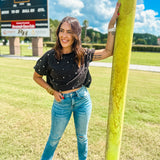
(112, 29)
(50, 90)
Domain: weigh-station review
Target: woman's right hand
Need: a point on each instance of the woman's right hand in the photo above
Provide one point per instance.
(57, 95)
(39, 79)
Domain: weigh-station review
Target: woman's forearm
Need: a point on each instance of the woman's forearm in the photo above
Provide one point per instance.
(108, 51)
(39, 80)
(110, 42)
(111, 33)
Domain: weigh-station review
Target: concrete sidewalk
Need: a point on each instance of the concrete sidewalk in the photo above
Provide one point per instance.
(98, 64)
(131, 66)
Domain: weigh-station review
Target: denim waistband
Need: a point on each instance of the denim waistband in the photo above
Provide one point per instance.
(75, 93)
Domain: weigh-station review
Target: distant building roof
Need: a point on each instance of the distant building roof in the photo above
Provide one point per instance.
(158, 41)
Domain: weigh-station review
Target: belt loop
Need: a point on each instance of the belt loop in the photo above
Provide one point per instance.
(77, 93)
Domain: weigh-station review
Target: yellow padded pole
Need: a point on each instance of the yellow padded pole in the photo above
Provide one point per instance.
(119, 77)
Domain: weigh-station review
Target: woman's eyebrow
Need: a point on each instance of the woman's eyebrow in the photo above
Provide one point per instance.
(66, 30)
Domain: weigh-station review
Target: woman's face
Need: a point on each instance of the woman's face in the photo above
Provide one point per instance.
(66, 37)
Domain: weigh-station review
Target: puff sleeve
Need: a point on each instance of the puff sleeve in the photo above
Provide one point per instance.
(41, 66)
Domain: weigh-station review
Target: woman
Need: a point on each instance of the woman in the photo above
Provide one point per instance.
(66, 68)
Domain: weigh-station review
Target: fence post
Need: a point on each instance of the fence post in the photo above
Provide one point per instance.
(37, 46)
(119, 78)
(14, 45)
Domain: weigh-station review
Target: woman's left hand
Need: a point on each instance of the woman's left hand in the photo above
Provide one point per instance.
(115, 16)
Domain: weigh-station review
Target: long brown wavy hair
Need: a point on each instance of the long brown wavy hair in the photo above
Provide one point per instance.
(76, 46)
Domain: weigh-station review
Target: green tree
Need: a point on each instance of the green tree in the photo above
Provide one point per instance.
(149, 38)
(85, 25)
(87, 39)
(98, 36)
(0, 33)
(53, 27)
(140, 41)
(93, 35)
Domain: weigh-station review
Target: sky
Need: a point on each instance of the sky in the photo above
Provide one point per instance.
(99, 13)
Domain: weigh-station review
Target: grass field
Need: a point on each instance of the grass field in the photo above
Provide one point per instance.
(25, 115)
(142, 58)
(25, 50)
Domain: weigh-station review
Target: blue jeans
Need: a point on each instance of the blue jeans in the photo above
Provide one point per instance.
(79, 103)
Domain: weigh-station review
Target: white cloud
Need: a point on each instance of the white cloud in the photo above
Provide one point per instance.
(75, 4)
(95, 29)
(146, 21)
(104, 8)
(99, 13)
(76, 12)
(104, 27)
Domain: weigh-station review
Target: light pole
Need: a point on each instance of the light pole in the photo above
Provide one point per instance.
(119, 78)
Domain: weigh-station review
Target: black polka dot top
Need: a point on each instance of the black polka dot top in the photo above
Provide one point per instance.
(64, 74)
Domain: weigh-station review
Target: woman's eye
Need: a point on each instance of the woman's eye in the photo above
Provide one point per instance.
(70, 32)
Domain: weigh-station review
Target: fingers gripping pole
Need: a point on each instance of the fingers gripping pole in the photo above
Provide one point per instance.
(119, 77)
